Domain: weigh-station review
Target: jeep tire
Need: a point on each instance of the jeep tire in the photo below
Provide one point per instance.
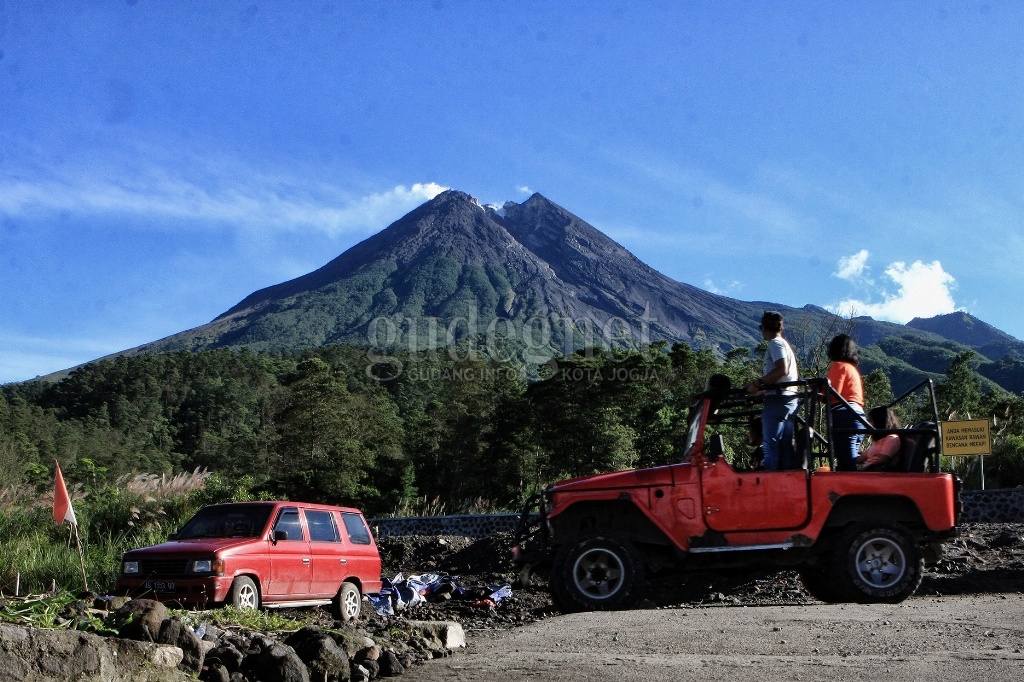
(596, 572)
(878, 562)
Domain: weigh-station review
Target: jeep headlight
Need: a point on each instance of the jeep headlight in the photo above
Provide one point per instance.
(130, 567)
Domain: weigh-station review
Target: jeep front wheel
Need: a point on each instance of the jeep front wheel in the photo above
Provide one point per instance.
(596, 573)
(879, 563)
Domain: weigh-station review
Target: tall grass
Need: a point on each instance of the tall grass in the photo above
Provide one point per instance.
(133, 511)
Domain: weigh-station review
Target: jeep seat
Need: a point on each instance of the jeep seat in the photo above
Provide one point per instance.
(918, 450)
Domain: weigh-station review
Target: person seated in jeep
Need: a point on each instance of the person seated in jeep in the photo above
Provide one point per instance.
(883, 450)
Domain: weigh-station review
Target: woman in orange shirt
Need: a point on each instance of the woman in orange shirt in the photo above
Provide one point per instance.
(845, 379)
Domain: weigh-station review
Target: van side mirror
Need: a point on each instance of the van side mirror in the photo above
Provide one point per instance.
(280, 535)
(172, 536)
(716, 448)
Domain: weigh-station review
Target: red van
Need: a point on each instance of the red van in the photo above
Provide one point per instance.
(252, 554)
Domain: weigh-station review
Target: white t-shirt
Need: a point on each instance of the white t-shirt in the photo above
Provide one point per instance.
(779, 349)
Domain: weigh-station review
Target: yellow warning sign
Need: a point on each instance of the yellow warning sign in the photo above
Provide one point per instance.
(967, 437)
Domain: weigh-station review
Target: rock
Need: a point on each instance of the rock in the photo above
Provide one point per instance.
(275, 663)
(176, 633)
(215, 672)
(226, 655)
(60, 655)
(140, 619)
(321, 654)
(440, 634)
(390, 666)
(213, 634)
(370, 653)
(359, 673)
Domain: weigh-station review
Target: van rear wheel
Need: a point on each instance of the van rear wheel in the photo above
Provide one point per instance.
(348, 603)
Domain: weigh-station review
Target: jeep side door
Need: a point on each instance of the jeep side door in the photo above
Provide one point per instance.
(753, 500)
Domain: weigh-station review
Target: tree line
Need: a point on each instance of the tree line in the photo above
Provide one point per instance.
(398, 432)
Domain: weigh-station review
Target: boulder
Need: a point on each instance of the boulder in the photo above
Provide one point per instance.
(390, 666)
(226, 655)
(174, 632)
(275, 663)
(36, 655)
(446, 635)
(140, 619)
(321, 654)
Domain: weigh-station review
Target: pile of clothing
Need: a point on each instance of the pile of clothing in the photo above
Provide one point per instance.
(400, 593)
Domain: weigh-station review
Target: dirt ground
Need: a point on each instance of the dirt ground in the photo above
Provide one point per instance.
(966, 622)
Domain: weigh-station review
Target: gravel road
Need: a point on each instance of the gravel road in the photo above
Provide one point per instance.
(967, 637)
(965, 623)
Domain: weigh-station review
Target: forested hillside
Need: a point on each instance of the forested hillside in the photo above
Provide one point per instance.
(397, 431)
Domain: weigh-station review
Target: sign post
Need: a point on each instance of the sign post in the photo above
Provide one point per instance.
(967, 437)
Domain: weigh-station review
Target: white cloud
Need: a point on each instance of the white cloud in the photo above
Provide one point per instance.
(922, 290)
(853, 267)
(212, 194)
(524, 189)
(727, 290)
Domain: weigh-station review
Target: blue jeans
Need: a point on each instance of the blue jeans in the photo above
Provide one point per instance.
(847, 445)
(777, 430)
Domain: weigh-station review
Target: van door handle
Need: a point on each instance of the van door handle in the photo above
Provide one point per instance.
(305, 561)
(344, 561)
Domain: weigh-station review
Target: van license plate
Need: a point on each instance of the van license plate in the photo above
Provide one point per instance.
(159, 586)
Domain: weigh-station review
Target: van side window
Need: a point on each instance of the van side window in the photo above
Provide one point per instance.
(321, 526)
(288, 521)
(357, 531)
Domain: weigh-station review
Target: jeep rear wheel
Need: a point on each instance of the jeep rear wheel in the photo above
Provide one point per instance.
(596, 573)
(879, 563)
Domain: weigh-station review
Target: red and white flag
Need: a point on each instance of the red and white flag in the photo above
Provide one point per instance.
(62, 509)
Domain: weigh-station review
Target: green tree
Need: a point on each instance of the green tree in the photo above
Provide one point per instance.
(959, 394)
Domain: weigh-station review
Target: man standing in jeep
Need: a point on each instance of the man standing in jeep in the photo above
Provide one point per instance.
(781, 402)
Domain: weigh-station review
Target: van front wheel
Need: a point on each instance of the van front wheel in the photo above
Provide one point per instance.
(244, 594)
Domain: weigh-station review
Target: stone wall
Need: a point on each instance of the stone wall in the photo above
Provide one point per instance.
(979, 506)
(993, 506)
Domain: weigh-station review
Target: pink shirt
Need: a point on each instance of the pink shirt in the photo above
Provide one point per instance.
(880, 452)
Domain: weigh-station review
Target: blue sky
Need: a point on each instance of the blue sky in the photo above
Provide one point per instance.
(161, 160)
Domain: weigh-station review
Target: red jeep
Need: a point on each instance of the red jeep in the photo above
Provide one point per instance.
(854, 536)
(252, 553)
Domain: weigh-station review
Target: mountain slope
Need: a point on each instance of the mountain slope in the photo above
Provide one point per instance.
(530, 281)
(532, 272)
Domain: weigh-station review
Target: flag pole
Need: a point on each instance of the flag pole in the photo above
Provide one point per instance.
(81, 557)
(63, 511)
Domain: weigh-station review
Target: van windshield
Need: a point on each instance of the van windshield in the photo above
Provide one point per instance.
(228, 521)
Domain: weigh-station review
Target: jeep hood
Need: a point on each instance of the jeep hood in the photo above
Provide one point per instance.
(633, 478)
